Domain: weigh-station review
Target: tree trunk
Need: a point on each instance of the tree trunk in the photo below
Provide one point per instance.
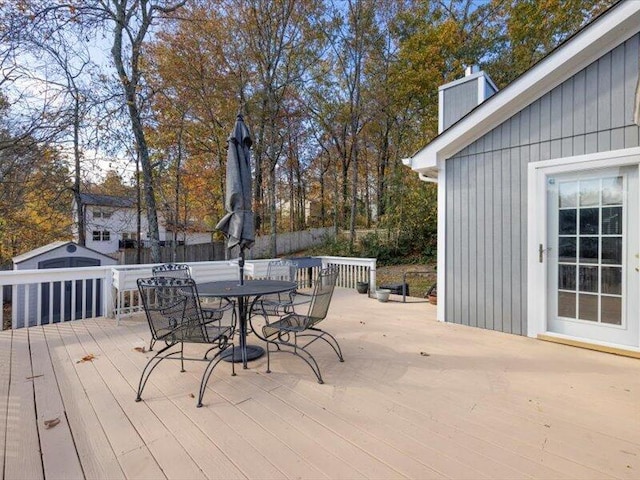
(383, 162)
(272, 212)
(122, 16)
(138, 214)
(336, 226)
(177, 191)
(367, 199)
(82, 234)
(354, 199)
(292, 196)
(147, 177)
(322, 207)
(345, 193)
(258, 191)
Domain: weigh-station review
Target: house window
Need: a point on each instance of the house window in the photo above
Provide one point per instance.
(102, 213)
(101, 236)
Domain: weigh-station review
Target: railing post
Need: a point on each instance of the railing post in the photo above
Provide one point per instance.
(117, 282)
(14, 306)
(372, 277)
(107, 294)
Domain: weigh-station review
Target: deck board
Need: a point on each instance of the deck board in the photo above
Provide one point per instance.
(231, 454)
(22, 448)
(334, 467)
(474, 404)
(419, 438)
(351, 456)
(59, 455)
(96, 454)
(255, 404)
(5, 377)
(170, 456)
(132, 453)
(120, 350)
(377, 446)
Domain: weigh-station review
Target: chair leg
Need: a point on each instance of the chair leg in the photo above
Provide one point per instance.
(311, 362)
(233, 364)
(150, 366)
(268, 358)
(182, 370)
(321, 335)
(209, 370)
(152, 342)
(297, 351)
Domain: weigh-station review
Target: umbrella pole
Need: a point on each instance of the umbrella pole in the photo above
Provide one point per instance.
(241, 265)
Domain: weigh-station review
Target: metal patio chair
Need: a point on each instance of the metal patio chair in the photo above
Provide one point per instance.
(175, 317)
(174, 270)
(276, 304)
(290, 327)
(213, 310)
(281, 303)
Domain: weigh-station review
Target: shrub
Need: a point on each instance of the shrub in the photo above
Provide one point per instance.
(331, 246)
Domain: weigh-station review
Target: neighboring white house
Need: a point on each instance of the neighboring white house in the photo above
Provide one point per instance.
(539, 193)
(111, 224)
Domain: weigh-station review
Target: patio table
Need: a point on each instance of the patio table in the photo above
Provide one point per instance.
(246, 296)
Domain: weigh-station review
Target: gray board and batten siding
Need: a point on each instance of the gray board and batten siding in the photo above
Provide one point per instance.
(486, 185)
(461, 98)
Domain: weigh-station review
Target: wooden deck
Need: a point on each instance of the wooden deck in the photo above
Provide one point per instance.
(415, 398)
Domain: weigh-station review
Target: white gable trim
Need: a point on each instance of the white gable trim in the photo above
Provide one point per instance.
(605, 33)
(441, 242)
(440, 112)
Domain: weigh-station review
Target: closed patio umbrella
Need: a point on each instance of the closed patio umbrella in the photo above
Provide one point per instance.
(237, 224)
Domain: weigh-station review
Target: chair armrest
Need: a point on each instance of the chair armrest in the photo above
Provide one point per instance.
(299, 298)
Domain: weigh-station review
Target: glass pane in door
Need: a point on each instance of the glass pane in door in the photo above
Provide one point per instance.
(590, 250)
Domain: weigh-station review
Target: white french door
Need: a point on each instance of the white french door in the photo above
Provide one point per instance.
(591, 254)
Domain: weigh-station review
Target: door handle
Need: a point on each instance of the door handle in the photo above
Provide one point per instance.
(541, 251)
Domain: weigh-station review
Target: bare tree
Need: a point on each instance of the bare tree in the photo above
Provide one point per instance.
(280, 46)
(72, 64)
(131, 22)
(43, 57)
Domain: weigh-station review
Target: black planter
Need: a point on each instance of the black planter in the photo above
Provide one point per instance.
(362, 287)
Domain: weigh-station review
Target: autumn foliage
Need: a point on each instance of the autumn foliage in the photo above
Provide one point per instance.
(335, 92)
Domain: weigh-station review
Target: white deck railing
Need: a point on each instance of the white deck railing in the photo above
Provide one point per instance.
(41, 296)
(60, 294)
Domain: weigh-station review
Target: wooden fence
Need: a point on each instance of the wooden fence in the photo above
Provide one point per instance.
(203, 252)
(287, 243)
(290, 242)
(363, 232)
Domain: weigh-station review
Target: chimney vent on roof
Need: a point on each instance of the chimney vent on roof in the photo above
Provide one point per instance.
(470, 70)
(457, 98)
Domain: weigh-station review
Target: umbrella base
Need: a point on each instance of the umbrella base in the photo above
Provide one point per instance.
(253, 352)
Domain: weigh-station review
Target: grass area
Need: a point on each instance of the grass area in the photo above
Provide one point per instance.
(419, 282)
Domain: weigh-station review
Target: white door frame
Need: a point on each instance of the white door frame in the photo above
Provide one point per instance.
(537, 230)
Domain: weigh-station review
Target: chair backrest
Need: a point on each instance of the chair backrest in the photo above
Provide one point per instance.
(282, 270)
(322, 293)
(175, 270)
(173, 309)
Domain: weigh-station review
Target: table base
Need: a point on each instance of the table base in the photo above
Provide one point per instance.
(253, 352)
